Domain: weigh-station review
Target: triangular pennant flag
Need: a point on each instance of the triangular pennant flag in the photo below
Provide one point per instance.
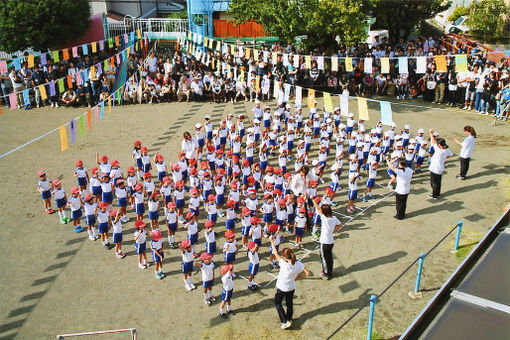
(63, 137)
(344, 105)
(348, 64)
(386, 113)
(73, 131)
(385, 65)
(363, 109)
(311, 98)
(89, 123)
(82, 126)
(327, 102)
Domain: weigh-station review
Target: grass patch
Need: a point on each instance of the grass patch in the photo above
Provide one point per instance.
(464, 250)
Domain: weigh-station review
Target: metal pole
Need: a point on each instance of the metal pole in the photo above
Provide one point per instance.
(418, 274)
(373, 300)
(457, 238)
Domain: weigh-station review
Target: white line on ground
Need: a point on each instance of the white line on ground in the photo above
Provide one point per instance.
(242, 277)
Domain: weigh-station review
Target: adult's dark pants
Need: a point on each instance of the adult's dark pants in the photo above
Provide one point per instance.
(464, 166)
(435, 183)
(401, 203)
(327, 259)
(289, 301)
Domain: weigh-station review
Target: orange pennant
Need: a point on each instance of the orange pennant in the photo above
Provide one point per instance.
(65, 53)
(69, 81)
(89, 113)
(117, 43)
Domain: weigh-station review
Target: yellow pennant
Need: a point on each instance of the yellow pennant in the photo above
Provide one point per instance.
(348, 64)
(311, 97)
(385, 65)
(327, 102)
(63, 137)
(308, 62)
(42, 89)
(109, 104)
(363, 108)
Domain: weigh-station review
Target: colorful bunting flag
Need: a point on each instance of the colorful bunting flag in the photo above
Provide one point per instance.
(327, 102)
(75, 51)
(367, 65)
(441, 63)
(30, 60)
(334, 63)
(56, 56)
(61, 87)
(26, 97)
(82, 126)
(460, 63)
(109, 104)
(421, 65)
(3, 66)
(65, 54)
(344, 105)
(16, 63)
(85, 49)
(70, 81)
(308, 62)
(386, 113)
(96, 114)
(63, 137)
(101, 115)
(385, 65)
(363, 109)
(53, 91)
(89, 123)
(73, 131)
(402, 65)
(42, 90)
(348, 64)
(311, 98)
(43, 59)
(299, 95)
(94, 47)
(12, 100)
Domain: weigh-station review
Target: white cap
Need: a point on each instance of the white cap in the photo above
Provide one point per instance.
(376, 140)
(298, 106)
(250, 130)
(398, 137)
(412, 141)
(424, 143)
(313, 109)
(207, 117)
(341, 126)
(398, 143)
(421, 131)
(256, 121)
(407, 127)
(315, 162)
(362, 128)
(336, 108)
(393, 124)
(386, 134)
(354, 134)
(287, 106)
(323, 124)
(198, 125)
(231, 115)
(275, 128)
(215, 132)
(367, 138)
(359, 144)
(411, 147)
(352, 157)
(351, 114)
(435, 134)
(257, 101)
(329, 120)
(282, 138)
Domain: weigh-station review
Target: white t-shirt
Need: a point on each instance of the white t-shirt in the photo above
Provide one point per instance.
(467, 147)
(227, 282)
(143, 237)
(207, 271)
(328, 225)
(438, 158)
(403, 180)
(286, 281)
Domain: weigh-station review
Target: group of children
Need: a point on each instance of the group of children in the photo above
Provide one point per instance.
(225, 171)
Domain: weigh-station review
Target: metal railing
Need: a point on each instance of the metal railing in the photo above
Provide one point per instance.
(153, 25)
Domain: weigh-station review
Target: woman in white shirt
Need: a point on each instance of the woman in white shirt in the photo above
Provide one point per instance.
(404, 175)
(466, 150)
(329, 226)
(436, 167)
(290, 271)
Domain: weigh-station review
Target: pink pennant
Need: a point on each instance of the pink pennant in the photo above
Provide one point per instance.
(12, 100)
(3, 66)
(78, 78)
(126, 40)
(96, 116)
(118, 59)
(75, 52)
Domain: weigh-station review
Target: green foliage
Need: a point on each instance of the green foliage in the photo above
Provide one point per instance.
(41, 24)
(320, 20)
(178, 15)
(458, 12)
(486, 19)
(405, 15)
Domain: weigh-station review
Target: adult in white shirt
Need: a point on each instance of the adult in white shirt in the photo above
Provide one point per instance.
(290, 271)
(188, 145)
(436, 167)
(298, 185)
(466, 150)
(329, 226)
(404, 175)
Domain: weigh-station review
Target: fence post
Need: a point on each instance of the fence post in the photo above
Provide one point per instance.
(457, 238)
(416, 294)
(373, 300)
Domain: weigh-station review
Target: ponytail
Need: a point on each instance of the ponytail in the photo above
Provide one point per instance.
(471, 130)
(289, 255)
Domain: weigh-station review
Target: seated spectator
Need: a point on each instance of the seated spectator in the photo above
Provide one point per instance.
(69, 98)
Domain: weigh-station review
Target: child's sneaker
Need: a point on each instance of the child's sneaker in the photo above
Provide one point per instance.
(207, 302)
(212, 298)
(364, 199)
(188, 287)
(371, 196)
(68, 219)
(141, 266)
(63, 221)
(78, 229)
(92, 238)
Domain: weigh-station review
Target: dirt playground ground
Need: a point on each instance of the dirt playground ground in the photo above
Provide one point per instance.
(55, 281)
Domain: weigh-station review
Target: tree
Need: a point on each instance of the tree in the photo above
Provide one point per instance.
(458, 12)
(41, 24)
(319, 20)
(403, 16)
(486, 19)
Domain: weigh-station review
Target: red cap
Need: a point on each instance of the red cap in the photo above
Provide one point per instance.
(192, 161)
(204, 164)
(317, 199)
(302, 210)
(55, 182)
(193, 171)
(176, 167)
(278, 171)
(131, 169)
(251, 245)
(94, 170)
(221, 171)
(210, 148)
(189, 215)
(300, 199)
(269, 185)
(208, 224)
(252, 191)
(167, 179)
(115, 162)
(104, 158)
(137, 142)
(273, 227)
(75, 190)
(155, 193)
(102, 205)
(78, 162)
(328, 191)
(206, 173)
(276, 192)
(283, 201)
(220, 151)
(267, 195)
(205, 256)
(181, 153)
(120, 181)
(312, 182)
(229, 234)
(246, 210)
(218, 177)
(157, 235)
(104, 174)
(193, 191)
(229, 153)
(255, 220)
(144, 149)
(147, 175)
(270, 169)
(140, 224)
(179, 184)
(246, 162)
(226, 268)
(256, 164)
(235, 158)
(113, 213)
(185, 244)
(211, 197)
(233, 185)
(230, 203)
(159, 157)
(287, 175)
(42, 172)
(138, 186)
(251, 179)
(171, 205)
(88, 197)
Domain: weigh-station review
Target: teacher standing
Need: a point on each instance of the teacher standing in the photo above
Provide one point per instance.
(404, 175)
(466, 150)
(290, 271)
(436, 167)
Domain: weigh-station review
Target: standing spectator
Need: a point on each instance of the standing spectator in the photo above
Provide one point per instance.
(38, 78)
(466, 150)
(436, 167)
(404, 175)
(17, 85)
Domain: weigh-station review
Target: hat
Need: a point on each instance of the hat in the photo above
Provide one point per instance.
(167, 179)
(144, 149)
(140, 224)
(255, 220)
(131, 169)
(302, 210)
(185, 244)
(193, 190)
(55, 182)
(115, 163)
(252, 191)
(282, 201)
(352, 157)
(75, 190)
(189, 215)
(102, 205)
(42, 173)
(147, 175)
(233, 185)
(79, 162)
(88, 197)
(138, 186)
(93, 171)
(226, 268)
(113, 213)
(270, 169)
(205, 256)
(120, 181)
(317, 199)
(421, 131)
(211, 197)
(198, 125)
(276, 192)
(246, 210)
(229, 234)
(137, 142)
(206, 173)
(104, 174)
(193, 171)
(407, 127)
(171, 205)
(251, 245)
(300, 199)
(208, 224)
(328, 191)
(207, 117)
(210, 148)
(159, 158)
(217, 177)
(157, 235)
(273, 228)
(267, 195)
(393, 124)
(181, 153)
(104, 158)
(435, 134)
(230, 203)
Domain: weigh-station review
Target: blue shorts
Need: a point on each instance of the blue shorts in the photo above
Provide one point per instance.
(268, 217)
(220, 199)
(76, 214)
(257, 241)
(139, 208)
(117, 237)
(279, 222)
(316, 130)
(193, 238)
(250, 159)
(139, 163)
(172, 227)
(103, 227)
(279, 187)
(82, 181)
(208, 284)
(419, 160)
(108, 197)
(187, 267)
(206, 193)
(226, 295)
(370, 182)
(212, 217)
(209, 135)
(201, 143)
(161, 175)
(410, 163)
(272, 142)
(263, 165)
(168, 199)
(223, 140)
(353, 194)
(334, 186)
(300, 231)
(140, 248)
(271, 249)
(61, 202)
(210, 247)
(351, 149)
(245, 230)
(156, 257)
(308, 147)
(365, 154)
(146, 167)
(405, 142)
(195, 210)
(122, 201)
(348, 129)
(231, 224)
(241, 133)
(267, 123)
(97, 191)
(391, 172)
(257, 137)
(90, 219)
(384, 150)
(153, 215)
(179, 203)
(253, 268)
(290, 145)
(229, 257)
(46, 194)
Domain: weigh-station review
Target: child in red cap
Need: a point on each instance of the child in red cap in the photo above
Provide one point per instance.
(210, 207)
(103, 223)
(44, 187)
(207, 268)
(140, 237)
(245, 225)
(187, 264)
(219, 189)
(274, 231)
(139, 201)
(75, 202)
(210, 240)
(117, 233)
(171, 224)
(179, 200)
(160, 167)
(158, 253)
(82, 176)
(95, 184)
(137, 158)
(230, 247)
(192, 231)
(153, 207)
(228, 288)
(253, 267)
(148, 184)
(300, 225)
(90, 207)
(255, 230)
(146, 160)
(60, 200)
(231, 215)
